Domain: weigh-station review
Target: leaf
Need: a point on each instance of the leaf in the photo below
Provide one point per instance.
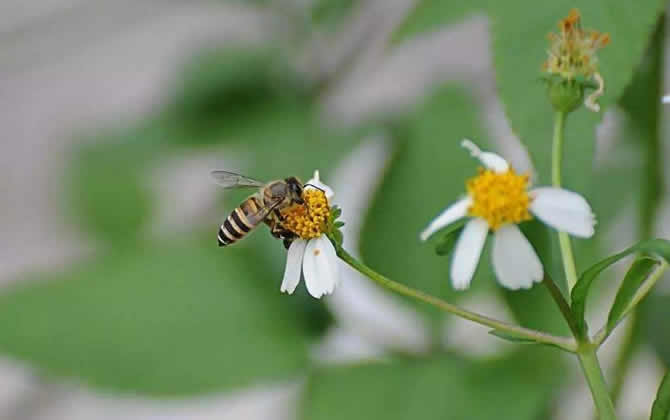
(653, 247)
(654, 316)
(222, 88)
(450, 235)
(636, 275)
(427, 173)
(518, 30)
(428, 15)
(330, 13)
(661, 408)
(175, 318)
(446, 387)
(108, 198)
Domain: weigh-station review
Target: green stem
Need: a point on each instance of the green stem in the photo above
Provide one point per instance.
(596, 381)
(586, 352)
(565, 343)
(563, 238)
(563, 305)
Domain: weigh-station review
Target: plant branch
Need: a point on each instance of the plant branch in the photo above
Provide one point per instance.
(565, 343)
(562, 304)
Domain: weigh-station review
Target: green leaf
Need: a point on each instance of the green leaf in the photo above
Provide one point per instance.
(635, 276)
(427, 173)
(221, 89)
(654, 248)
(449, 237)
(661, 408)
(447, 388)
(654, 315)
(519, 43)
(108, 198)
(519, 29)
(175, 318)
(428, 15)
(329, 13)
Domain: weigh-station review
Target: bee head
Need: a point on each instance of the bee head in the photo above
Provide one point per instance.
(295, 189)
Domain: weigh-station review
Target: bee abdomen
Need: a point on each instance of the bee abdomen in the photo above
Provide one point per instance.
(234, 228)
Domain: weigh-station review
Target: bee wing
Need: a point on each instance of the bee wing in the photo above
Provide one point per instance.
(228, 180)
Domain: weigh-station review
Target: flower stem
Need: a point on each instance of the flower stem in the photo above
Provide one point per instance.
(565, 343)
(563, 238)
(586, 353)
(596, 381)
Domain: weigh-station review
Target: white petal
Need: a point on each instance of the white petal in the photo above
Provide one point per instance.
(563, 210)
(293, 266)
(316, 182)
(515, 262)
(489, 160)
(666, 99)
(466, 255)
(320, 267)
(449, 215)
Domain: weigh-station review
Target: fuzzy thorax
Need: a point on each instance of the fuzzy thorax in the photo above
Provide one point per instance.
(308, 220)
(499, 197)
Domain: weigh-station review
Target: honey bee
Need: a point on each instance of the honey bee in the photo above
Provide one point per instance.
(263, 206)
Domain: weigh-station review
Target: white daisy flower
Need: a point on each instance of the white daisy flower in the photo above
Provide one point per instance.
(311, 253)
(666, 99)
(498, 199)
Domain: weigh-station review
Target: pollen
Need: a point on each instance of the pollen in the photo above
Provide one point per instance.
(308, 220)
(499, 198)
(573, 50)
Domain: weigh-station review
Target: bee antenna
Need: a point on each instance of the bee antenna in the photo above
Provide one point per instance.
(314, 186)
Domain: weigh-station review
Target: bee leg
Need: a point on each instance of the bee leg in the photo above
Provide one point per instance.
(288, 242)
(276, 229)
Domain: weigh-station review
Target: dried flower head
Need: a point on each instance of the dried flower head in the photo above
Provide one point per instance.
(573, 50)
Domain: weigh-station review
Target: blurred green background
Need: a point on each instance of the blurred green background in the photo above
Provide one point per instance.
(113, 285)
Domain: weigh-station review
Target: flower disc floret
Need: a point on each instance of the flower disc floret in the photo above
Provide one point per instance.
(499, 197)
(308, 220)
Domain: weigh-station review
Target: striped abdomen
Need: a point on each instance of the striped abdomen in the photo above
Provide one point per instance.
(240, 222)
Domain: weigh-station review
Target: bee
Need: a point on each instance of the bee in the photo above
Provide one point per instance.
(263, 206)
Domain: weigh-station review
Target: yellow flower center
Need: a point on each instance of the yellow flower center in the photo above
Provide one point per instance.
(308, 220)
(499, 198)
(573, 50)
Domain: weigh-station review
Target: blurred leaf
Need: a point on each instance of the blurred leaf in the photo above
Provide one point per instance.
(331, 12)
(519, 29)
(427, 173)
(108, 197)
(653, 247)
(655, 324)
(225, 88)
(636, 275)
(449, 235)
(440, 388)
(519, 33)
(174, 318)
(430, 15)
(661, 408)
(642, 108)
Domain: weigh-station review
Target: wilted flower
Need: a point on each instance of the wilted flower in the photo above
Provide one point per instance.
(572, 58)
(311, 253)
(498, 199)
